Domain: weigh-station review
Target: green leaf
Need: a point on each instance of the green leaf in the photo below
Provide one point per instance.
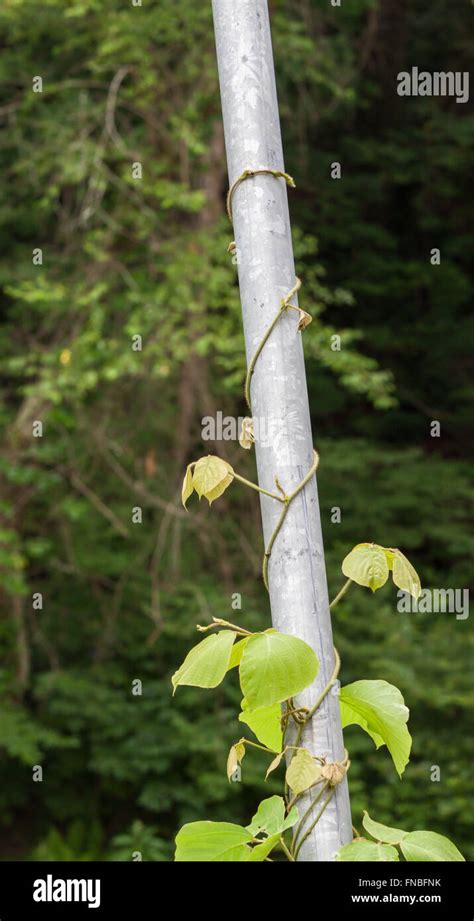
(221, 487)
(382, 832)
(261, 851)
(404, 575)
(302, 772)
(367, 850)
(237, 651)
(265, 722)
(274, 667)
(212, 841)
(427, 846)
(270, 817)
(211, 477)
(188, 487)
(379, 708)
(206, 664)
(367, 565)
(390, 555)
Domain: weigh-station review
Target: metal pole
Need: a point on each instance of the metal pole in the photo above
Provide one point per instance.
(297, 575)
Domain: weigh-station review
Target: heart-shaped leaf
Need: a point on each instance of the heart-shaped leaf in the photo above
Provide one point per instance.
(270, 817)
(428, 846)
(211, 477)
(212, 841)
(275, 667)
(265, 722)
(206, 664)
(361, 850)
(367, 565)
(302, 772)
(382, 832)
(379, 708)
(404, 575)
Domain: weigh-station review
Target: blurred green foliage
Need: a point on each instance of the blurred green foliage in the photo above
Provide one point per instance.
(124, 257)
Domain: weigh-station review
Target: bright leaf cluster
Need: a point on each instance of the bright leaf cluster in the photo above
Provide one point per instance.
(370, 564)
(223, 841)
(414, 845)
(378, 707)
(209, 476)
(272, 668)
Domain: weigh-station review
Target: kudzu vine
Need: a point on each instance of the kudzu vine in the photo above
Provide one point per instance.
(304, 321)
(273, 668)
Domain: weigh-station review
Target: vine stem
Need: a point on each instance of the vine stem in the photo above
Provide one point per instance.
(269, 547)
(272, 495)
(292, 802)
(268, 751)
(306, 814)
(287, 852)
(218, 622)
(253, 361)
(249, 174)
(285, 305)
(310, 829)
(341, 593)
(275, 263)
(325, 691)
(287, 500)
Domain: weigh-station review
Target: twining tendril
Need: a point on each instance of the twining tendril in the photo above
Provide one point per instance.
(304, 320)
(287, 502)
(249, 174)
(285, 305)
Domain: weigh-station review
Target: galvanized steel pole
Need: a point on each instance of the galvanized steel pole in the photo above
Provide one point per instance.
(297, 575)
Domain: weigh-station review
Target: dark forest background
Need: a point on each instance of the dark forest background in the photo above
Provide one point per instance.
(121, 257)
